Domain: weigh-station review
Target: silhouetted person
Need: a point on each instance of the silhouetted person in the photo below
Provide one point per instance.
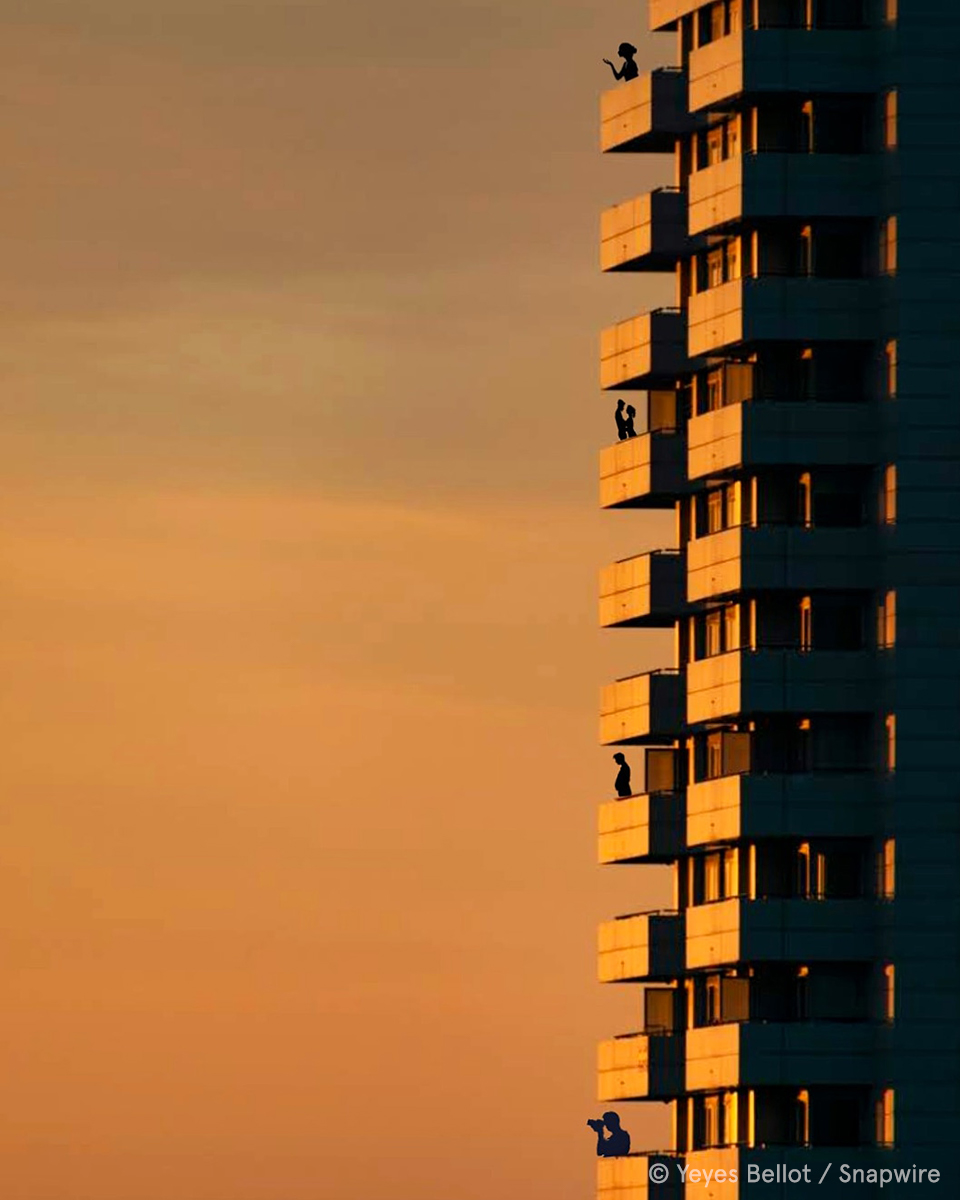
(622, 783)
(621, 421)
(628, 423)
(617, 1145)
(629, 70)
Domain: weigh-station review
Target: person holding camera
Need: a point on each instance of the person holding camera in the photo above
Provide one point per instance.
(617, 1145)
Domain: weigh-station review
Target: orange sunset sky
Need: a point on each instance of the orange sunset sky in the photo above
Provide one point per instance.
(300, 663)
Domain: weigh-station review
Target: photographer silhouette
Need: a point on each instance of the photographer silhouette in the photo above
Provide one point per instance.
(617, 1145)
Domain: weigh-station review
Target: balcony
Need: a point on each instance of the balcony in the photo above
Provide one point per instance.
(802, 186)
(648, 233)
(782, 309)
(640, 1066)
(645, 592)
(780, 681)
(647, 828)
(823, 804)
(745, 931)
(642, 709)
(781, 434)
(646, 351)
(805, 61)
(646, 115)
(648, 471)
(640, 947)
(778, 557)
(629, 1178)
(773, 1054)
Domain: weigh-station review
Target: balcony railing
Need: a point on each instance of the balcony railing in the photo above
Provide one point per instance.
(647, 591)
(647, 114)
(641, 946)
(644, 709)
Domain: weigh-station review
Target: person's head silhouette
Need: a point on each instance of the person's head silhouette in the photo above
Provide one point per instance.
(625, 50)
(631, 411)
(612, 1121)
(619, 405)
(618, 758)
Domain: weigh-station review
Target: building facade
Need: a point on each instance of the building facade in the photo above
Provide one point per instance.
(800, 1002)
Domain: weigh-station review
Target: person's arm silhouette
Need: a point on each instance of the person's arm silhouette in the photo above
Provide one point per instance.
(616, 74)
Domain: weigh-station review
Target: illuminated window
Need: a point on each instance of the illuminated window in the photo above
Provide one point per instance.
(890, 354)
(713, 635)
(889, 620)
(890, 741)
(714, 145)
(711, 1120)
(806, 500)
(711, 878)
(733, 259)
(715, 268)
(803, 1118)
(885, 1118)
(888, 869)
(889, 992)
(888, 496)
(890, 120)
(888, 246)
(715, 505)
(806, 623)
(731, 883)
(729, 1118)
(891, 12)
(731, 506)
(731, 627)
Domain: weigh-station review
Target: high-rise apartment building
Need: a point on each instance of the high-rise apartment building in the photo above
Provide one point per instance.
(800, 1001)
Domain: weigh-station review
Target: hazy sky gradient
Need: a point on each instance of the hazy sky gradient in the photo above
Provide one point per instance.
(299, 426)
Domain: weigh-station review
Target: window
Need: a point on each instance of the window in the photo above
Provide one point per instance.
(715, 268)
(711, 1120)
(714, 391)
(890, 353)
(715, 506)
(807, 128)
(888, 496)
(711, 878)
(714, 145)
(891, 12)
(806, 501)
(733, 137)
(890, 741)
(806, 623)
(713, 635)
(887, 870)
(888, 246)
(733, 259)
(711, 1014)
(718, 21)
(890, 120)
(730, 1118)
(887, 621)
(889, 992)
(730, 872)
(731, 506)
(714, 756)
(885, 1118)
(806, 250)
(731, 627)
(803, 1118)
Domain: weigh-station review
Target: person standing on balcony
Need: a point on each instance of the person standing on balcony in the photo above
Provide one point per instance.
(621, 421)
(628, 423)
(617, 1145)
(622, 783)
(629, 70)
